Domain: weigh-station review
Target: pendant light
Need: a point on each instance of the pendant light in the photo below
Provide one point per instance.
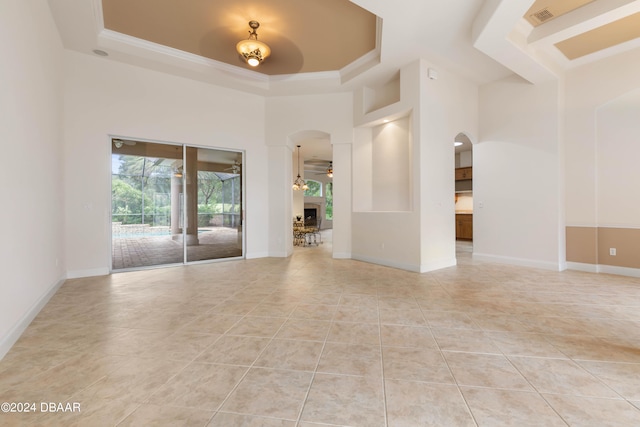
(330, 170)
(252, 50)
(299, 183)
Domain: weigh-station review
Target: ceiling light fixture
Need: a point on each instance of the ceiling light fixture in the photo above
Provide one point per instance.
(330, 170)
(299, 183)
(457, 143)
(252, 50)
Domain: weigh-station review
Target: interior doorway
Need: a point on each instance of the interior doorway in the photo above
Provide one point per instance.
(463, 193)
(174, 204)
(313, 206)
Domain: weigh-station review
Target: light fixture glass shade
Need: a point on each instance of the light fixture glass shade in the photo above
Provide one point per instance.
(251, 49)
(299, 183)
(457, 143)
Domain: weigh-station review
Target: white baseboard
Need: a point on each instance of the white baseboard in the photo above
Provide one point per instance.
(606, 269)
(438, 264)
(255, 255)
(621, 271)
(579, 266)
(14, 334)
(386, 263)
(75, 274)
(522, 262)
(342, 255)
(277, 254)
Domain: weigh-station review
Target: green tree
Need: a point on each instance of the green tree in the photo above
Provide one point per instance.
(209, 186)
(126, 202)
(329, 201)
(315, 189)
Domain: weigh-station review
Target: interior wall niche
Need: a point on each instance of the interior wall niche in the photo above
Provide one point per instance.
(382, 96)
(391, 166)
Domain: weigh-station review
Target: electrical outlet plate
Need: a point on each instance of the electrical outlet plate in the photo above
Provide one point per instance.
(612, 251)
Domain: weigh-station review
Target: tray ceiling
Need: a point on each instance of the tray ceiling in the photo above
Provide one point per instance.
(304, 36)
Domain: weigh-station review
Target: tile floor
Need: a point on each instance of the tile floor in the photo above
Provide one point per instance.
(311, 341)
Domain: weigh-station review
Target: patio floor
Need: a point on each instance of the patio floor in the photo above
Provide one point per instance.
(143, 251)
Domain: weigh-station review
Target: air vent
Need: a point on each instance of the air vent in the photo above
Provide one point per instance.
(542, 15)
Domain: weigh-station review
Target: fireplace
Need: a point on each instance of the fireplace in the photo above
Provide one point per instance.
(311, 214)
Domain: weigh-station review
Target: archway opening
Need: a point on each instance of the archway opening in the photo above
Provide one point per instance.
(463, 194)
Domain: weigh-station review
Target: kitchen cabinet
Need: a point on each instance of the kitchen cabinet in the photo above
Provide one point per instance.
(464, 173)
(464, 226)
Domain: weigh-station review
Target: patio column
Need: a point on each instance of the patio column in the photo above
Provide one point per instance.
(176, 207)
(191, 195)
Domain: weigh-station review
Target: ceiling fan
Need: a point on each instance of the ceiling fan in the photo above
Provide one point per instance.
(118, 143)
(235, 168)
(320, 167)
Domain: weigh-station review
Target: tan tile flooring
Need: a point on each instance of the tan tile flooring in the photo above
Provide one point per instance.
(311, 341)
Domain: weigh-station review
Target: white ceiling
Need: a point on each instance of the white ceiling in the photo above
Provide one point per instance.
(483, 40)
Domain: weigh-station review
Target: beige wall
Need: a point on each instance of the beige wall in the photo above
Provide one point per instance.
(627, 244)
(591, 245)
(582, 245)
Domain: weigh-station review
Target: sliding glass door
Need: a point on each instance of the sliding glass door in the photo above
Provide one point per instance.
(213, 204)
(173, 204)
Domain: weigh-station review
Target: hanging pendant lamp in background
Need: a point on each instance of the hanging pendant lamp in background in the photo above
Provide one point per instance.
(252, 50)
(299, 183)
(330, 170)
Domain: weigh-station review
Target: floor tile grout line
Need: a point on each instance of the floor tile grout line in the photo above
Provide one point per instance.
(383, 378)
(221, 405)
(455, 380)
(315, 370)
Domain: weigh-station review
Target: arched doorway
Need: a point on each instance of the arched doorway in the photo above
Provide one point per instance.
(312, 160)
(463, 194)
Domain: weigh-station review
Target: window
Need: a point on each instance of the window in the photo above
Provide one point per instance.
(329, 201)
(315, 189)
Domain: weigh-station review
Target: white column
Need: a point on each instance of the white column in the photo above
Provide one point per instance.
(342, 200)
(280, 210)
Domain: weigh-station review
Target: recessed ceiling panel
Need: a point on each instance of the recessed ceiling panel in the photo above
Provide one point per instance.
(304, 36)
(609, 35)
(542, 11)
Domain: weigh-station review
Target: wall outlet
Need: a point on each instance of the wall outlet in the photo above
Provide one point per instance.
(612, 251)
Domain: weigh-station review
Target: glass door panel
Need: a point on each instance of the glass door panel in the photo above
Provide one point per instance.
(144, 205)
(213, 204)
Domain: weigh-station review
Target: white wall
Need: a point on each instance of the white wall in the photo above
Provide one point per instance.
(391, 166)
(588, 89)
(32, 249)
(389, 238)
(105, 98)
(448, 106)
(518, 173)
(423, 237)
(618, 153)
